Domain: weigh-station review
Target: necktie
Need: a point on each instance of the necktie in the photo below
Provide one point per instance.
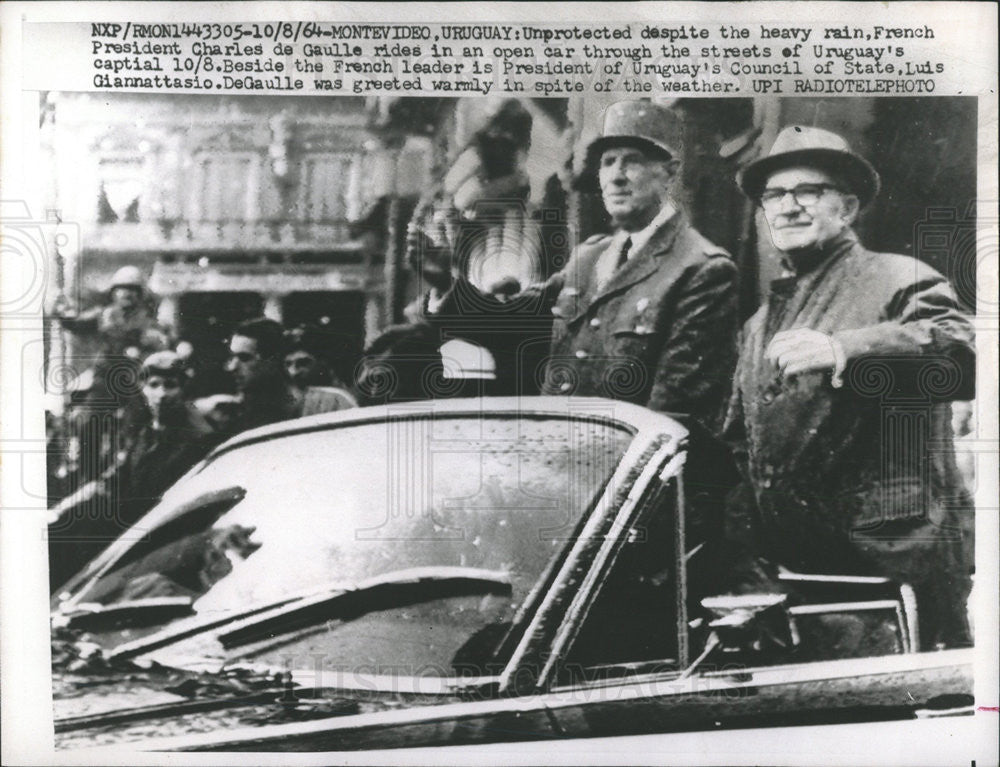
(623, 256)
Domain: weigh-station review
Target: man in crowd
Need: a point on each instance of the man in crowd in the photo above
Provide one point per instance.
(256, 362)
(126, 326)
(168, 438)
(313, 386)
(115, 338)
(159, 443)
(847, 476)
(256, 356)
(647, 313)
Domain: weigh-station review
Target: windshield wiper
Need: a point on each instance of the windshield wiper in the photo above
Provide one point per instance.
(395, 589)
(92, 616)
(338, 600)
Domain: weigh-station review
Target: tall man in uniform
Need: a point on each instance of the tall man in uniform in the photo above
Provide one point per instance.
(648, 313)
(840, 412)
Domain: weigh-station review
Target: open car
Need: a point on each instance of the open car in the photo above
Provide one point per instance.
(464, 572)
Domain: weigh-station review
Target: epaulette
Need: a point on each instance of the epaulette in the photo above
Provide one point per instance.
(714, 251)
(710, 250)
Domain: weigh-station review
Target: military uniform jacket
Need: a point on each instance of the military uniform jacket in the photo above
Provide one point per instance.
(661, 332)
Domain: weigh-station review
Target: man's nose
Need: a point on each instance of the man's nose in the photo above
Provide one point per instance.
(788, 204)
(230, 365)
(617, 169)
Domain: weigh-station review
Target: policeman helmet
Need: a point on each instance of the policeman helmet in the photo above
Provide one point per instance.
(127, 277)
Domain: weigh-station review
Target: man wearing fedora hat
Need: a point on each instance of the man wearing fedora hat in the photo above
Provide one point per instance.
(647, 313)
(840, 412)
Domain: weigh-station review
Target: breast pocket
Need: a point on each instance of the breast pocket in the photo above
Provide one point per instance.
(628, 371)
(632, 339)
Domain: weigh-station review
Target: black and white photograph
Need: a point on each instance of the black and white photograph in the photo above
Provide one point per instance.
(512, 428)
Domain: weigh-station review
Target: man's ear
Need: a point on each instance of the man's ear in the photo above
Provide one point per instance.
(852, 207)
(672, 169)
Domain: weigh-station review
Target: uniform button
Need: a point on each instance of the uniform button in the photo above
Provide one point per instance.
(580, 354)
(595, 322)
(565, 386)
(767, 398)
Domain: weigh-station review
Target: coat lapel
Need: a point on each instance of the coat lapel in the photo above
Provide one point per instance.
(643, 263)
(579, 284)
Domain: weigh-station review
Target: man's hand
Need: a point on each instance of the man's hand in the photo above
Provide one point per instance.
(801, 351)
(61, 307)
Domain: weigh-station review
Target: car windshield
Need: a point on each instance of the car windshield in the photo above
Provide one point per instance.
(327, 510)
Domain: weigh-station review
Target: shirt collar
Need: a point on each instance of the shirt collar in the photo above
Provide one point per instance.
(803, 261)
(643, 236)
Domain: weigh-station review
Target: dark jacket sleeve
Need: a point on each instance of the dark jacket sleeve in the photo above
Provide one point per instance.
(695, 368)
(926, 348)
(734, 431)
(85, 322)
(469, 313)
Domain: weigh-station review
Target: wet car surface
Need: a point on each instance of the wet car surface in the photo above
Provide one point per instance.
(456, 572)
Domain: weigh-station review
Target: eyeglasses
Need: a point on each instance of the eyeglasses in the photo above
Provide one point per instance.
(805, 195)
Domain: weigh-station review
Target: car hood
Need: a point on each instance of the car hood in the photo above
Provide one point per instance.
(102, 701)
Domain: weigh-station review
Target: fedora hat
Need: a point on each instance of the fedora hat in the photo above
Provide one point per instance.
(643, 124)
(799, 145)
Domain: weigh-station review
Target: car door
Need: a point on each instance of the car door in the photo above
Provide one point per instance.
(636, 657)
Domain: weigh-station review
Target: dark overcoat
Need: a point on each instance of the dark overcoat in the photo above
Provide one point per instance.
(147, 464)
(859, 477)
